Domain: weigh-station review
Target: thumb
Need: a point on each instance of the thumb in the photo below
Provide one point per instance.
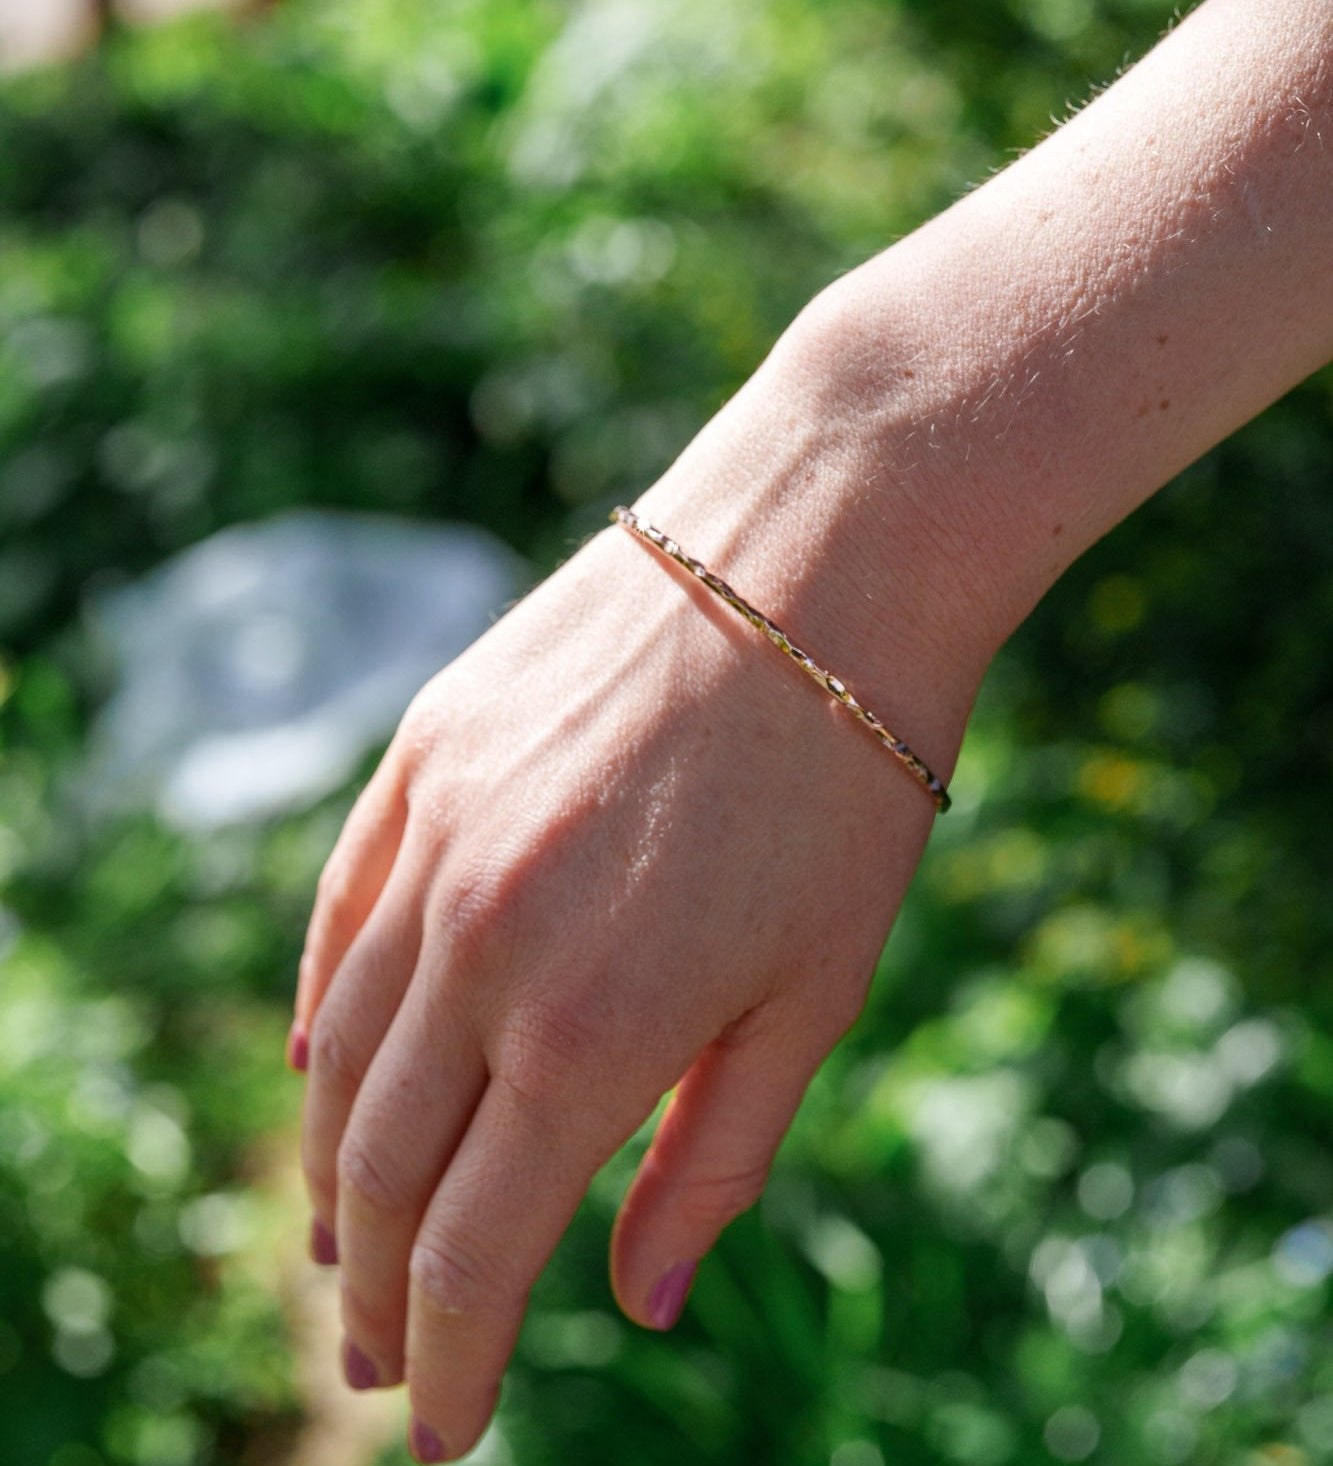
(708, 1163)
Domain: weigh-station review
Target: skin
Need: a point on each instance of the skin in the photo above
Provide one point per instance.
(620, 847)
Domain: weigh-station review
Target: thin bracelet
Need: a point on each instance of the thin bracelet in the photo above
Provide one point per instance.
(933, 785)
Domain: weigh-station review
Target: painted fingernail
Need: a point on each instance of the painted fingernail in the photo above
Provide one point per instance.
(322, 1246)
(298, 1049)
(359, 1371)
(425, 1444)
(668, 1297)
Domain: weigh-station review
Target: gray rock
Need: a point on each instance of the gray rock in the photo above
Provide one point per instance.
(258, 667)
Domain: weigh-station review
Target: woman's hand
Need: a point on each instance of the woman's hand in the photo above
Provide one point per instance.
(620, 845)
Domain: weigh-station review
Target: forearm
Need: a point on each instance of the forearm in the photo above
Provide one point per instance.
(1119, 300)
(945, 429)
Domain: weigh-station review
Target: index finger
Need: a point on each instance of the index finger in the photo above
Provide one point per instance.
(349, 886)
(509, 1194)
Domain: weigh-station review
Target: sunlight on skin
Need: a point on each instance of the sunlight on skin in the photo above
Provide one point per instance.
(937, 437)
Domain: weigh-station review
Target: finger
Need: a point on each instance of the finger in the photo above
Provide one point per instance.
(514, 1184)
(708, 1162)
(410, 1113)
(348, 1029)
(349, 886)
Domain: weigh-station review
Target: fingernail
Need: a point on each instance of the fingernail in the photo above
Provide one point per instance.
(360, 1372)
(298, 1049)
(668, 1297)
(322, 1246)
(425, 1444)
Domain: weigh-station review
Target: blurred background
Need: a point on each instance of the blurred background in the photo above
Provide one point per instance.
(327, 326)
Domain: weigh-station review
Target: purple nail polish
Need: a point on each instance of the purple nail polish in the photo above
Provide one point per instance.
(322, 1246)
(668, 1297)
(298, 1049)
(425, 1444)
(359, 1371)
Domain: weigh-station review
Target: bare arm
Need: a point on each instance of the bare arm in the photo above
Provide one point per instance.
(619, 846)
(971, 409)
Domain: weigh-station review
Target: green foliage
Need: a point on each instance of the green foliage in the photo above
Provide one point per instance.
(1062, 1195)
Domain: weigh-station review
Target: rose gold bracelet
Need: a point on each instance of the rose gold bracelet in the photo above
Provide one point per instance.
(933, 785)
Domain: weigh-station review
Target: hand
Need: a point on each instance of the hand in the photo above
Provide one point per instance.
(620, 845)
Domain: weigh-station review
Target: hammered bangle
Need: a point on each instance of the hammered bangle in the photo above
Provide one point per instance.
(931, 783)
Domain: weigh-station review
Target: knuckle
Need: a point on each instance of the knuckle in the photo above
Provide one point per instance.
(469, 906)
(333, 1061)
(419, 726)
(336, 914)
(813, 1030)
(363, 1177)
(845, 1010)
(373, 1318)
(475, 908)
(712, 1201)
(544, 1045)
(457, 1278)
(318, 1172)
(333, 887)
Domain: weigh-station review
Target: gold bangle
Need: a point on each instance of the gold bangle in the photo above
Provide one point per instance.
(933, 785)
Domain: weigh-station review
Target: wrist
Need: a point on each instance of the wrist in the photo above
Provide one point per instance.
(1023, 371)
(784, 495)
